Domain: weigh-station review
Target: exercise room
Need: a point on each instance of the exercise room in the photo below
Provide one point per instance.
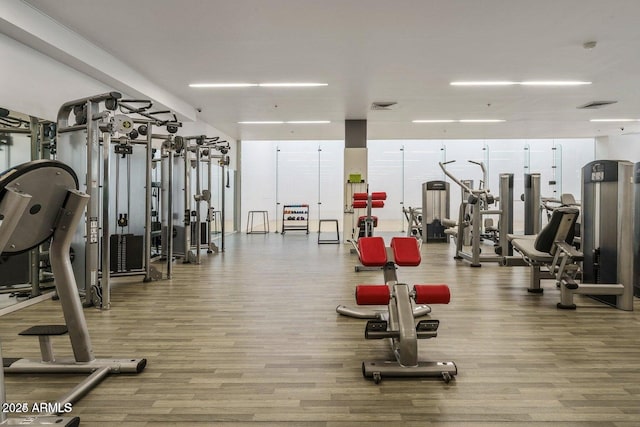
(323, 214)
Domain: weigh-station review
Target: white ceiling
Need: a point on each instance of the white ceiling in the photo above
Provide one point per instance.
(379, 50)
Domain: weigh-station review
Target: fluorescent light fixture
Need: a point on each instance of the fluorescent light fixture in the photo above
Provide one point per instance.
(261, 123)
(292, 122)
(525, 83)
(461, 121)
(481, 121)
(434, 121)
(614, 120)
(554, 83)
(232, 85)
(487, 83)
(222, 85)
(308, 122)
(292, 84)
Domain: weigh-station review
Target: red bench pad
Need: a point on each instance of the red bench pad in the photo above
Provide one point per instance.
(373, 253)
(360, 196)
(432, 294)
(379, 195)
(406, 251)
(372, 295)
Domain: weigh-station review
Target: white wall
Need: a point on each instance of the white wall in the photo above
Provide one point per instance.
(618, 147)
(34, 84)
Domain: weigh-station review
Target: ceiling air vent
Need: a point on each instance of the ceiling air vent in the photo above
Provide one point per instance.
(596, 104)
(383, 105)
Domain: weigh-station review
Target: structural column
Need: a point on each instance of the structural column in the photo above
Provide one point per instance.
(355, 163)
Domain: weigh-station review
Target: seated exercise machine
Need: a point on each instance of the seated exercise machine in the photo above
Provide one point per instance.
(39, 201)
(538, 251)
(479, 202)
(396, 322)
(366, 223)
(604, 263)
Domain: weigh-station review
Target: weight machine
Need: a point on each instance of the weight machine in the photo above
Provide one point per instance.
(94, 135)
(39, 201)
(479, 202)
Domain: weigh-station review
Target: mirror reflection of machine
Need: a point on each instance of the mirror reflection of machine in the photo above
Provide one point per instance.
(24, 138)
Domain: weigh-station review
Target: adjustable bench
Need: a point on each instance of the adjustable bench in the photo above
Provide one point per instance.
(396, 322)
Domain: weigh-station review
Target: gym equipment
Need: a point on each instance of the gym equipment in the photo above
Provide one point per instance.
(366, 223)
(24, 138)
(186, 168)
(604, 263)
(39, 201)
(86, 130)
(538, 251)
(435, 208)
(396, 322)
(479, 201)
(636, 231)
(606, 234)
(414, 220)
(532, 201)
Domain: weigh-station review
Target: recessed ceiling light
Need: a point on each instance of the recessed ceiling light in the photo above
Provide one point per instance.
(525, 83)
(261, 123)
(614, 120)
(222, 85)
(434, 121)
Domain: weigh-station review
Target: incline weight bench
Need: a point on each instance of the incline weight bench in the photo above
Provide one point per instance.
(396, 322)
(39, 200)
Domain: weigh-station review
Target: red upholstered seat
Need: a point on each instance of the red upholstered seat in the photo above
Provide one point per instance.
(373, 253)
(406, 251)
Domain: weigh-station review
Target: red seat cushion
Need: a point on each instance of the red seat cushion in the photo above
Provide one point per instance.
(373, 253)
(406, 251)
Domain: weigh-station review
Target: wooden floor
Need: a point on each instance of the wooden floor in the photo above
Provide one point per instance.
(251, 336)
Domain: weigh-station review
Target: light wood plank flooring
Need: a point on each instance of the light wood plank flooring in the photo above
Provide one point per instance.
(251, 337)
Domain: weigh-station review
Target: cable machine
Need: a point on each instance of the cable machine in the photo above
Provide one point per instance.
(98, 138)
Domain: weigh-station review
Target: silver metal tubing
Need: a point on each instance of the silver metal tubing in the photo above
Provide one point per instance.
(70, 366)
(147, 220)
(84, 387)
(65, 281)
(197, 204)
(169, 198)
(406, 347)
(187, 206)
(360, 313)
(106, 238)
